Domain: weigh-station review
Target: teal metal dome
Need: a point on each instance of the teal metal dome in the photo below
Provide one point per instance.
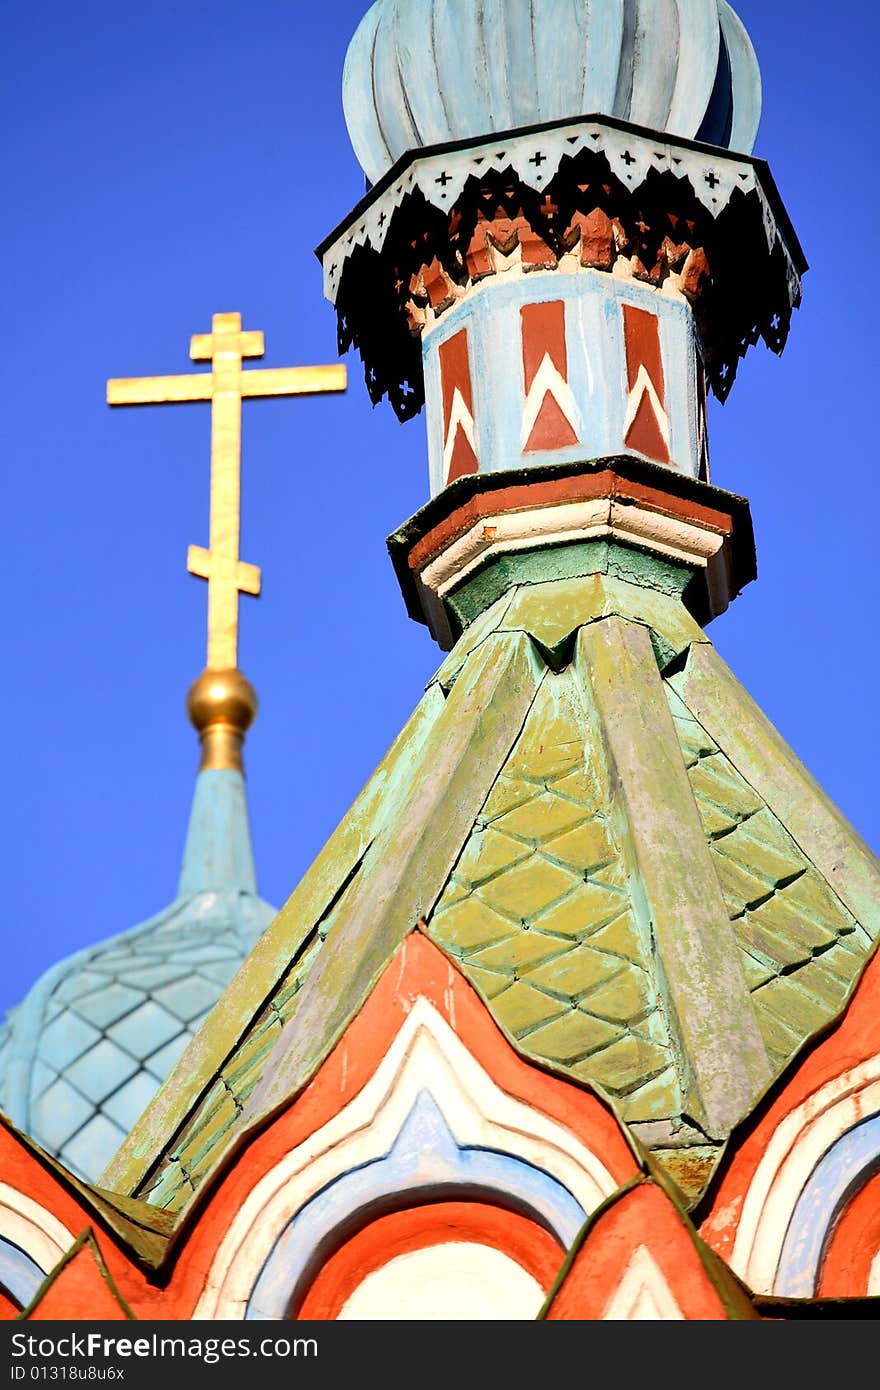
(89, 1046)
(425, 72)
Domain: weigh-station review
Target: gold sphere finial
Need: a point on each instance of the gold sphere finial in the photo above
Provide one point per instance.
(222, 705)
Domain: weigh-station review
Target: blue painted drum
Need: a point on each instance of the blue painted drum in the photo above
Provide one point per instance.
(424, 72)
(581, 373)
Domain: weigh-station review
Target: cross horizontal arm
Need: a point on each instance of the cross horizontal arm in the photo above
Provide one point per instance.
(159, 390)
(293, 381)
(204, 346)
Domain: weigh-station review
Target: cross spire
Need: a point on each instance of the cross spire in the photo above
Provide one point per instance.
(211, 703)
(225, 387)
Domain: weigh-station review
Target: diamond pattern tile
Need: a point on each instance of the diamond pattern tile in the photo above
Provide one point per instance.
(519, 954)
(81, 982)
(220, 971)
(160, 1062)
(792, 930)
(627, 1058)
(489, 853)
(67, 1038)
(541, 818)
(575, 972)
(197, 954)
(127, 1104)
(101, 1070)
(89, 1080)
(108, 1003)
(142, 1029)
(571, 1038)
(60, 1112)
(188, 997)
(538, 909)
(151, 976)
(527, 888)
(521, 1009)
(93, 1146)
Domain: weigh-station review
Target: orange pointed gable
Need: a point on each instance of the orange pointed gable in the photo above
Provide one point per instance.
(81, 1289)
(100, 1276)
(44, 1209)
(419, 970)
(639, 1259)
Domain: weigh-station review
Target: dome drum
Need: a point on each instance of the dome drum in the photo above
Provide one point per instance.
(592, 193)
(551, 369)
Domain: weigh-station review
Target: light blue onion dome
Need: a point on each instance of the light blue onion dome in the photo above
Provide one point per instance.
(87, 1049)
(425, 72)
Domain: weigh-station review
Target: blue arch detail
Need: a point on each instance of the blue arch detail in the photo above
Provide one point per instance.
(425, 1156)
(19, 1274)
(841, 1170)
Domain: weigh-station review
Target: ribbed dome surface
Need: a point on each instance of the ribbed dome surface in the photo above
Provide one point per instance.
(423, 72)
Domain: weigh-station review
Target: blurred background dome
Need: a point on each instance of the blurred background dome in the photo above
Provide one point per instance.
(424, 72)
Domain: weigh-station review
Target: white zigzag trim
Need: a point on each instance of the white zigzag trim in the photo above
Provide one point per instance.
(549, 381)
(644, 385)
(460, 418)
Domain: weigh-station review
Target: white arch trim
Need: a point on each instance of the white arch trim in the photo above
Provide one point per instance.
(797, 1145)
(32, 1228)
(426, 1055)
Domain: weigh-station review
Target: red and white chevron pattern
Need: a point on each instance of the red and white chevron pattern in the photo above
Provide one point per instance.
(459, 436)
(550, 412)
(646, 423)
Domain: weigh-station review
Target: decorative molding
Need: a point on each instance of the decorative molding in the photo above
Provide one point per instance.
(790, 1158)
(32, 1228)
(535, 155)
(462, 531)
(426, 1055)
(706, 225)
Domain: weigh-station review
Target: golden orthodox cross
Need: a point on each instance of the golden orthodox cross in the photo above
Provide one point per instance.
(225, 386)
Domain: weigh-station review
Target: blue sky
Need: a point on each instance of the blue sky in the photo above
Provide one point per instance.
(165, 162)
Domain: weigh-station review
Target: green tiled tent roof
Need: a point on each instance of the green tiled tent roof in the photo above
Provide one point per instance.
(590, 816)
